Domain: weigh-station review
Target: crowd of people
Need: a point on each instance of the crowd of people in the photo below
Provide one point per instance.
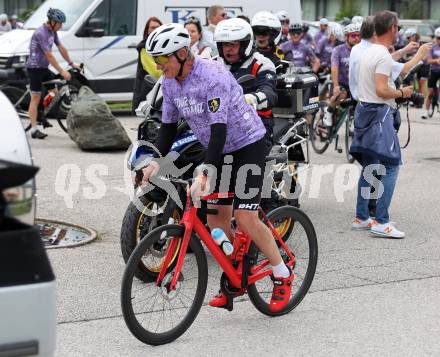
(9, 23)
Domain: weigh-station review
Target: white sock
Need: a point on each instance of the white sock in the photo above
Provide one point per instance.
(34, 129)
(280, 271)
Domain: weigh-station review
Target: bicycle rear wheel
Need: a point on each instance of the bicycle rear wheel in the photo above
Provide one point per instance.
(297, 231)
(319, 133)
(153, 314)
(349, 134)
(20, 99)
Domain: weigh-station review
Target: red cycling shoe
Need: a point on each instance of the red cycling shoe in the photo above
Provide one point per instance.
(221, 300)
(282, 289)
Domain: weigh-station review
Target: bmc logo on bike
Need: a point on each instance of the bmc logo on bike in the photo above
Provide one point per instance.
(252, 206)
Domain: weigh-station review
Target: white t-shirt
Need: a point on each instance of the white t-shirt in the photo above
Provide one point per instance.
(376, 59)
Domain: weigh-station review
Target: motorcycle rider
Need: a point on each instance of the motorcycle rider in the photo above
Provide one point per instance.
(234, 39)
(267, 31)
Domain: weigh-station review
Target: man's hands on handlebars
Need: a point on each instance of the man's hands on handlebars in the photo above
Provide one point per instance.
(66, 75)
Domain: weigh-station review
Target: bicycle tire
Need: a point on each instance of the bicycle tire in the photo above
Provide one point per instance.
(349, 134)
(318, 121)
(14, 94)
(61, 124)
(136, 224)
(259, 295)
(128, 301)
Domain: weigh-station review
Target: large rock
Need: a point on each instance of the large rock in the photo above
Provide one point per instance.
(92, 126)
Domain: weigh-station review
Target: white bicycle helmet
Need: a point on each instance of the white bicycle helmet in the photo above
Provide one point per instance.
(411, 31)
(337, 31)
(265, 21)
(357, 20)
(3, 17)
(437, 32)
(352, 28)
(235, 30)
(282, 15)
(167, 39)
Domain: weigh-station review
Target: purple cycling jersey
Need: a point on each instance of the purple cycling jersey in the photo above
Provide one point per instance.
(435, 54)
(208, 95)
(299, 53)
(341, 59)
(319, 35)
(307, 39)
(324, 51)
(42, 41)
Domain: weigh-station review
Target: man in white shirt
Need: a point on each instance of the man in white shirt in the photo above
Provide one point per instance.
(215, 14)
(375, 144)
(367, 39)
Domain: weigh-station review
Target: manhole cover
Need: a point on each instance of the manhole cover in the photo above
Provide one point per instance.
(57, 234)
(433, 158)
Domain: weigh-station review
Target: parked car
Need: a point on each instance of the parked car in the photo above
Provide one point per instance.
(27, 282)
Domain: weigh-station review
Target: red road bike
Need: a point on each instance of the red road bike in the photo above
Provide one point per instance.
(159, 311)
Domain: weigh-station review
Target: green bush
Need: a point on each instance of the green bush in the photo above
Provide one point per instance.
(347, 8)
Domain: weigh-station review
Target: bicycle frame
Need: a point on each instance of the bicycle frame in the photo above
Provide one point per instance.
(192, 223)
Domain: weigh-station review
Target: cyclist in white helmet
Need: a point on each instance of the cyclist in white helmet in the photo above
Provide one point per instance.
(5, 26)
(267, 32)
(210, 100)
(283, 16)
(340, 60)
(326, 45)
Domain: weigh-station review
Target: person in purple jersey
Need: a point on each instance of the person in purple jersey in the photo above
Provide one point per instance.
(323, 25)
(340, 60)
(307, 38)
(208, 97)
(434, 61)
(40, 57)
(297, 52)
(326, 45)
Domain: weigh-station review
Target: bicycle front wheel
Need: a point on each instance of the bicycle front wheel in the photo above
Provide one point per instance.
(297, 231)
(349, 135)
(153, 314)
(319, 133)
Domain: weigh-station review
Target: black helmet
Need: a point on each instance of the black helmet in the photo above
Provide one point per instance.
(295, 28)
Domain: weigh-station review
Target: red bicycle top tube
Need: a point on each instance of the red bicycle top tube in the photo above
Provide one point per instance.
(214, 196)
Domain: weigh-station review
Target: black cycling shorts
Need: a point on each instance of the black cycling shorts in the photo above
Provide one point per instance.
(423, 71)
(433, 79)
(36, 78)
(248, 163)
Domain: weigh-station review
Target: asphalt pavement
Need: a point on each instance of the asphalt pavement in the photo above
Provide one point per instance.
(370, 296)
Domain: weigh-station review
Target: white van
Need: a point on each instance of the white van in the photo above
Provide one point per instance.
(103, 35)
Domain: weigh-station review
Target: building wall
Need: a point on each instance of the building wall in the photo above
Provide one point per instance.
(17, 6)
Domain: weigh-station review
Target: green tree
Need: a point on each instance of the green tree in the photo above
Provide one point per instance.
(347, 8)
(413, 9)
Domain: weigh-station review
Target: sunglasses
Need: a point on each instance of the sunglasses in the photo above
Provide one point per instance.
(162, 59)
(223, 15)
(354, 35)
(260, 31)
(295, 33)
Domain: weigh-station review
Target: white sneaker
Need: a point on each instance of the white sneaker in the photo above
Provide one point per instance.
(359, 225)
(387, 230)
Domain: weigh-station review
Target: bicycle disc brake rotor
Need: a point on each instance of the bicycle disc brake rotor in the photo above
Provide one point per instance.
(165, 288)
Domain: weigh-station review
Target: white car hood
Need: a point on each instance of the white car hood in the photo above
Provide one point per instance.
(15, 42)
